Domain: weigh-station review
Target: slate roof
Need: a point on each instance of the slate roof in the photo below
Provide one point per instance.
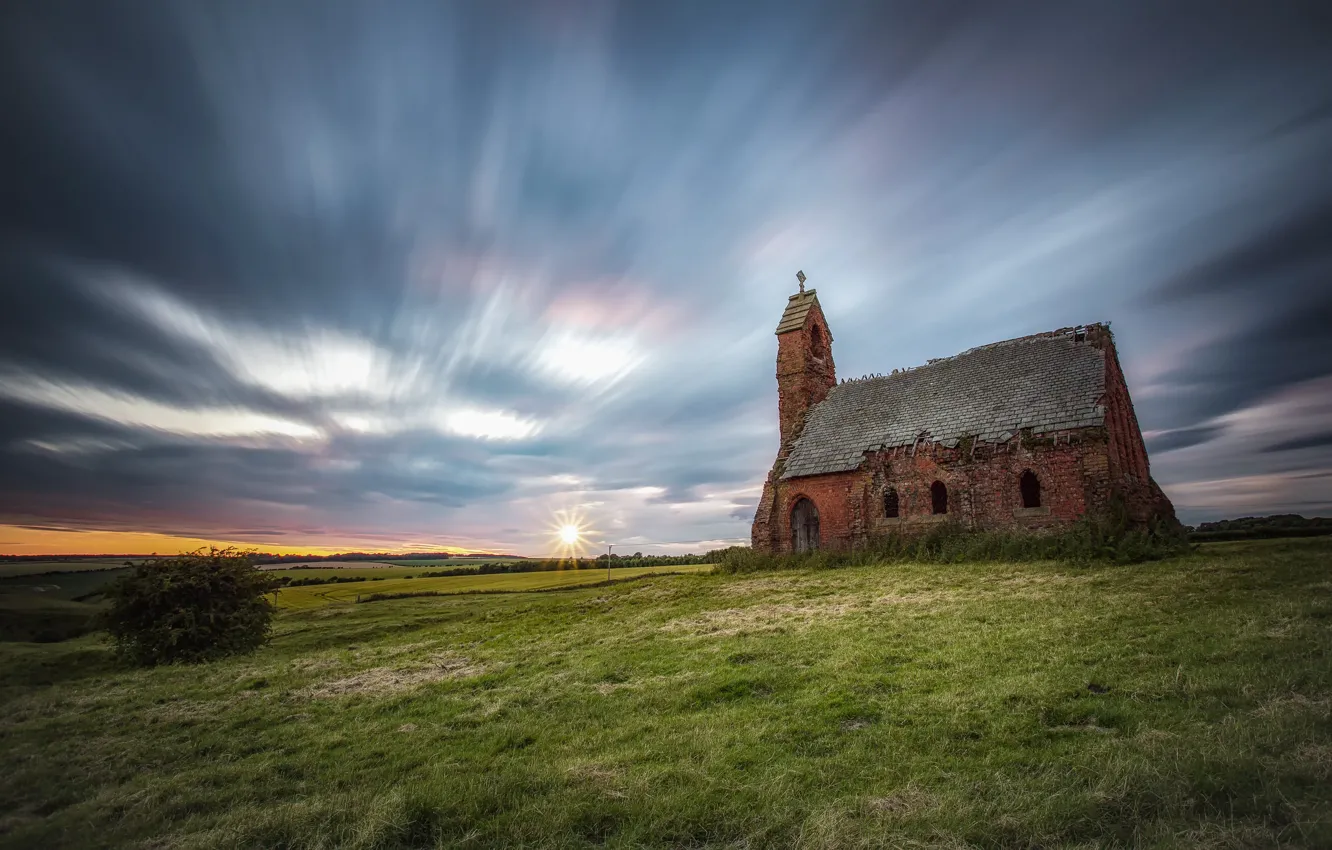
(1048, 382)
(797, 308)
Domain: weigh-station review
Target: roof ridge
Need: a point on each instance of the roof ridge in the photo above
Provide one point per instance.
(1044, 383)
(1071, 330)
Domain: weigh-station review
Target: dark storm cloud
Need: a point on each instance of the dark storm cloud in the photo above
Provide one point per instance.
(1169, 441)
(1313, 441)
(1298, 246)
(1240, 370)
(229, 227)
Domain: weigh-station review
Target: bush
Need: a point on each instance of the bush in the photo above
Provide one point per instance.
(195, 607)
(1104, 540)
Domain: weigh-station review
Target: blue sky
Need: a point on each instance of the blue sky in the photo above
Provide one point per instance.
(373, 275)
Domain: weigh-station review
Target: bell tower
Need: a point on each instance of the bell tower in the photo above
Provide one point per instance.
(805, 371)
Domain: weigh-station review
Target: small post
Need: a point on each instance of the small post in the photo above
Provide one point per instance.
(609, 547)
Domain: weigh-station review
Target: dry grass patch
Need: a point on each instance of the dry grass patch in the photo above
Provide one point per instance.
(604, 688)
(1316, 758)
(756, 587)
(904, 802)
(315, 663)
(763, 618)
(1295, 703)
(388, 680)
(920, 597)
(600, 775)
(185, 710)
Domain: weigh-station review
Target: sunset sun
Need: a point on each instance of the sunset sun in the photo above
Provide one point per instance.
(571, 534)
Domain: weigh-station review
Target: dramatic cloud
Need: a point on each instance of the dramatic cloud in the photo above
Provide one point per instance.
(415, 273)
(1313, 441)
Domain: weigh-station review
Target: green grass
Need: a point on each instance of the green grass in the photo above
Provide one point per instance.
(1181, 703)
(51, 606)
(319, 595)
(34, 617)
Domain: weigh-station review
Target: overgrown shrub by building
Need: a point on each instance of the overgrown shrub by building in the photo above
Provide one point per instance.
(195, 607)
(1106, 540)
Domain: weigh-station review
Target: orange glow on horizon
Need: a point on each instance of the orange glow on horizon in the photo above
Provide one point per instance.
(16, 540)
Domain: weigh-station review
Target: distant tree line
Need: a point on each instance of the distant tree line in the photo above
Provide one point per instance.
(1250, 527)
(538, 565)
(262, 558)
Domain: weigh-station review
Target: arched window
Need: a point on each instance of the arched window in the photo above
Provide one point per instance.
(1030, 486)
(891, 508)
(804, 526)
(939, 497)
(816, 340)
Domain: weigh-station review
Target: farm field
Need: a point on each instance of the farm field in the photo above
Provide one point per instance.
(348, 572)
(414, 564)
(437, 563)
(32, 568)
(316, 596)
(60, 585)
(329, 565)
(1184, 703)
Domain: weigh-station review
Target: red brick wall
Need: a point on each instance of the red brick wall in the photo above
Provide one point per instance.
(1130, 471)
(1128, 454)
(836, 496)
(983, 490)
(805, 374)
(984, 494)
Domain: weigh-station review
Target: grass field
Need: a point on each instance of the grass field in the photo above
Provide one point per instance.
(316, 596)
(350, 572)
(444, 563)
(1182, 703)
(51, 606)
(61, 585)
(33, 568)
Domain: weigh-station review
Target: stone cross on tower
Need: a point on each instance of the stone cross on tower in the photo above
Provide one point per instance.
(800, 276)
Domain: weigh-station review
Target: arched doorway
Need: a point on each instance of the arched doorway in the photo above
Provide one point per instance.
(804, 526)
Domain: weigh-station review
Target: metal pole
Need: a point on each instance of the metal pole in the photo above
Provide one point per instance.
(609, 547)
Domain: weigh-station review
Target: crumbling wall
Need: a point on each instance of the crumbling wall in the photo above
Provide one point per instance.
(1129, 472)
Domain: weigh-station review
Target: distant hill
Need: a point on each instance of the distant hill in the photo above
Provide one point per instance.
(1251, 527)
(377, 556)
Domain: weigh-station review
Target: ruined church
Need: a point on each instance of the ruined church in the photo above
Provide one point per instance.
(1027, 434)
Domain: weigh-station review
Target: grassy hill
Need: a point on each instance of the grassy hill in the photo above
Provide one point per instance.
(1182, 703)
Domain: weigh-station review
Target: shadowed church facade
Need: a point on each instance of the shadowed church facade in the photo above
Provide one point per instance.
(1025, 434)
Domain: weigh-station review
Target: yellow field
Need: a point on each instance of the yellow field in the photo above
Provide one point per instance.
(318, 595)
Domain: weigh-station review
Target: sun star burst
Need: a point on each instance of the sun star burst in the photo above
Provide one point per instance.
(571, 534)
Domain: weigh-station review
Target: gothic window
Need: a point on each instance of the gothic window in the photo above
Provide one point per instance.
(1030, 486)
(816, 340)
(890, 505)
(804, 526)
(939, 497)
